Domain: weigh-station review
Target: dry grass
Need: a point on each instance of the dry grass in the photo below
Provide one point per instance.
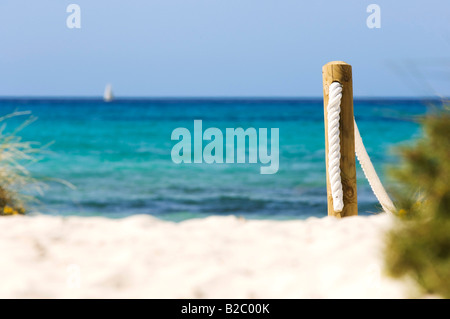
(17, 185)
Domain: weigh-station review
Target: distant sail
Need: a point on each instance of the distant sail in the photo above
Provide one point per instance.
(108, 95)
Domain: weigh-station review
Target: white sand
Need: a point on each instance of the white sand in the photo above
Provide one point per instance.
(216, 257)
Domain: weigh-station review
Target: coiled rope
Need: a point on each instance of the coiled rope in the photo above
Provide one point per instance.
(334, 145)
(334, 156)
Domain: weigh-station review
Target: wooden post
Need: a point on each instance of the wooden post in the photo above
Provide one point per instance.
(338, 71)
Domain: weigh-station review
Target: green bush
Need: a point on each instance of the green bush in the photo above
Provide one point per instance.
(419, 245)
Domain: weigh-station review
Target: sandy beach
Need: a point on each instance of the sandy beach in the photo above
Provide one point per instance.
(216, 257)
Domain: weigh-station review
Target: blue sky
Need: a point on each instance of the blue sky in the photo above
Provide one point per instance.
(249, 48)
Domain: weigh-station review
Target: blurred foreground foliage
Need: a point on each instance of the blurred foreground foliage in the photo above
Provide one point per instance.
(419, 245)
(16, 182)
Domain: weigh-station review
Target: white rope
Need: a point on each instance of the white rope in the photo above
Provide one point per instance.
(334, 156)
(370, 173)
(334, 145)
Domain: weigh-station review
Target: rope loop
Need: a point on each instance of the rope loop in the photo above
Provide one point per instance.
(334, 145)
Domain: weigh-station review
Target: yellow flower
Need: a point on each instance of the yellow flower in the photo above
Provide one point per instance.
(402, 212)
(8, 210)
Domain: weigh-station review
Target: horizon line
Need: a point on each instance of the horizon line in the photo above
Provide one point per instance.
(230, 98)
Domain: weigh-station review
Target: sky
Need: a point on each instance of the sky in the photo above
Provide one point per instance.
(222, 48)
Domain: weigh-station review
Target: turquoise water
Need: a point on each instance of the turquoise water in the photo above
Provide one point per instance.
(118, 156)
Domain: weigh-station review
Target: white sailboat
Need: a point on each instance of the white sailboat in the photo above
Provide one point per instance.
(108, 95)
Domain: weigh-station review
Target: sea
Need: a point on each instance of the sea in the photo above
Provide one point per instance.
(117, 155)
